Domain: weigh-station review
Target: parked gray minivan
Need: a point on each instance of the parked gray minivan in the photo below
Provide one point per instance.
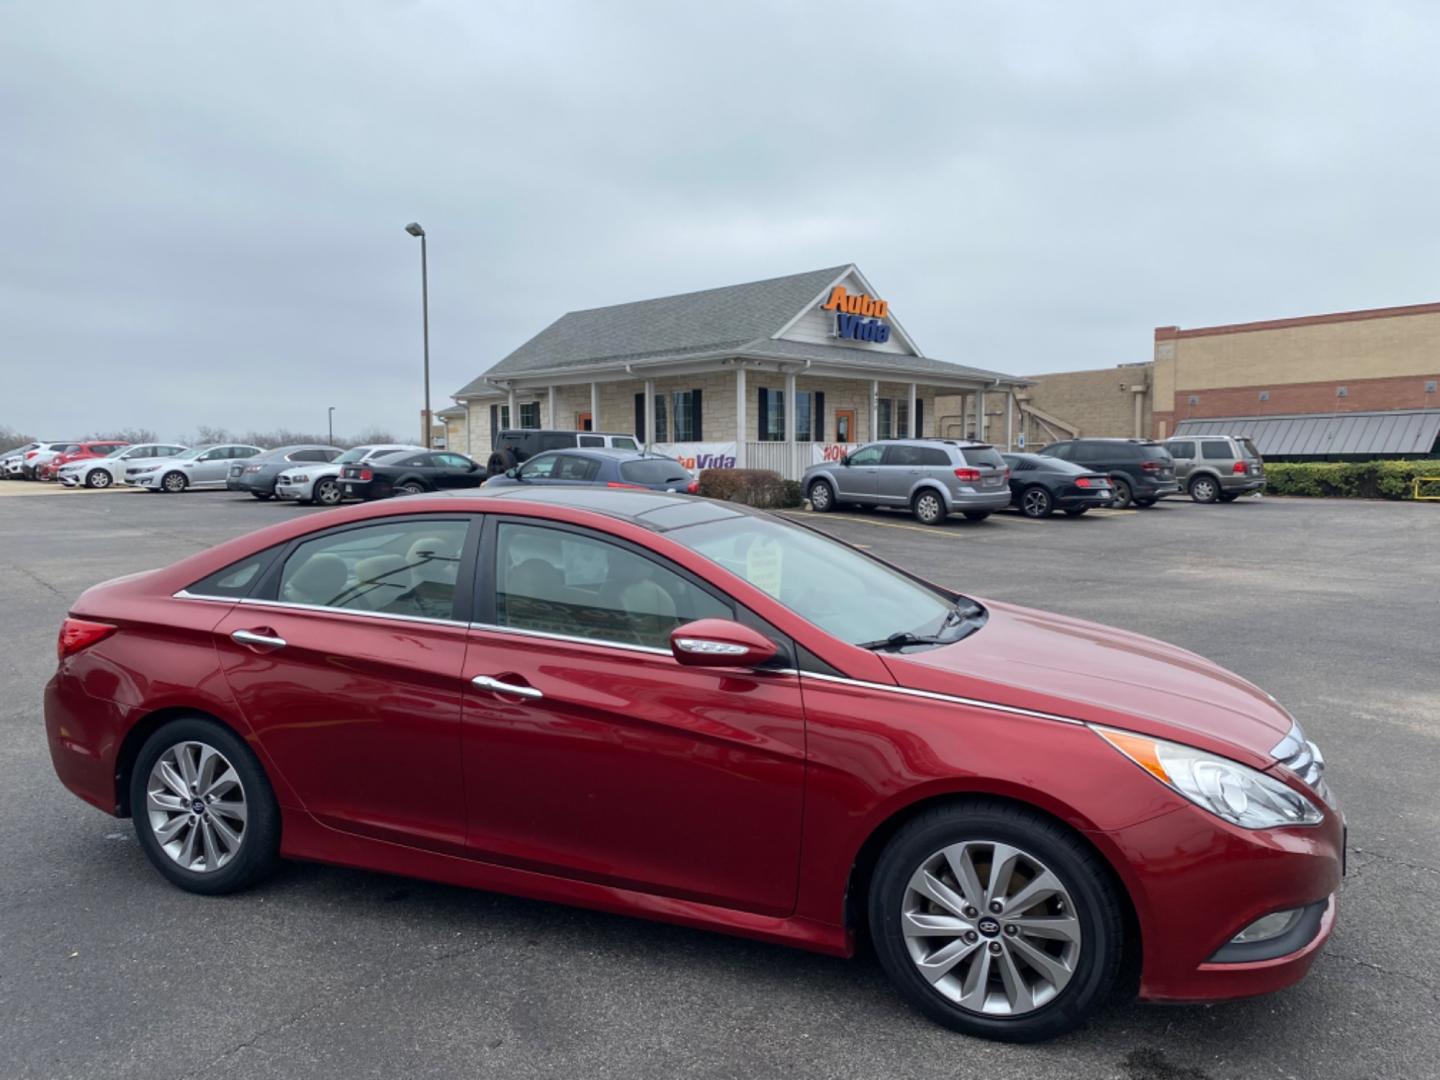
(933, 478)
(1216, 467)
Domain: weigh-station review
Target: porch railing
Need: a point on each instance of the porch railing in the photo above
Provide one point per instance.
(790, 460)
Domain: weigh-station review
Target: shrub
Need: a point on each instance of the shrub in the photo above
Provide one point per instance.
(1347, 479)
(753, 487)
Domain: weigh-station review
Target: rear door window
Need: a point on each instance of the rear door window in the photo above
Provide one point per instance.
(1184, 450)
(555, 441)
(576, 469)
(1063, 451)
(592, 440)
(652, 471)
(901, 455)
(1215, 450)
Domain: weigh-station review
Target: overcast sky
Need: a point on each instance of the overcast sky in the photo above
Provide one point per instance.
(204, 203)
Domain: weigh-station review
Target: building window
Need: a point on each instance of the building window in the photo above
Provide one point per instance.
(770, 425)
(687, 413)
(662, 428)
(892, 416)
(499, 421)
(530, 414)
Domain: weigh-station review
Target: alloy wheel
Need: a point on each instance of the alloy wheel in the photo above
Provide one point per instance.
(991, 928)
(1123, 495)
(327, 493)
(820, 496)
(410, 489)
(1204, 490)
(98, 478)
(1035, 502)
(196, 806)
(928, 508)
(174, 482)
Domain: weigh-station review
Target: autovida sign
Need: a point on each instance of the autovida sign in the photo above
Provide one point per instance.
(858, 317)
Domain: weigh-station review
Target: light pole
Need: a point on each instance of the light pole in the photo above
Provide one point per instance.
(330, 422)
(414, 229)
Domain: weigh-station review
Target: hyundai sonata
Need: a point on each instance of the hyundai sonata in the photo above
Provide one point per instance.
(686, 710)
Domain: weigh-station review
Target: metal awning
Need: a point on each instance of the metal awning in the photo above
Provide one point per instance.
(1406, 431)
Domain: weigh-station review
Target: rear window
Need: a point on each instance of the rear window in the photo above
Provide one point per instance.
(1150, 451)
(652, 471)
(1249, 447)
(982, 457)
(624, 442)
(1215, 450)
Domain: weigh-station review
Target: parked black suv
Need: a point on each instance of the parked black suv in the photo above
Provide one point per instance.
(519, 444)
(1142, 470)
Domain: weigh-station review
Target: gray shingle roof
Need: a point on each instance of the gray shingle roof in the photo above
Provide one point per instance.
(1398, 432)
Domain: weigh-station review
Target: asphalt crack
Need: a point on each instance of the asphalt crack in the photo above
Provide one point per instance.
(1383, 857)
(1431, 988)
(38, 580)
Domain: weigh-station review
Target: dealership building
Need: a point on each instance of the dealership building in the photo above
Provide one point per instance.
(1345, 386)
(771, 374)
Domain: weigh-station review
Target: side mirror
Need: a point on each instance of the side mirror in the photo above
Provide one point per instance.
(720, 643)
(844, 459)
(512, 473)
(471, 467)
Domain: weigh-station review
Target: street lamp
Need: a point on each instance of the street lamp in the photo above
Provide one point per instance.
(330, 422)
(414, 229)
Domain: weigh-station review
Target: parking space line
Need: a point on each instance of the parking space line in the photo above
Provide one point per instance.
(930, 530)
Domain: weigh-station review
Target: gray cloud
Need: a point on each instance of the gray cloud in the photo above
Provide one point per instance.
(204, 205)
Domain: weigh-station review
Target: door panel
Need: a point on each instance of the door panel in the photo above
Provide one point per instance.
(860, 480)
(634, 770)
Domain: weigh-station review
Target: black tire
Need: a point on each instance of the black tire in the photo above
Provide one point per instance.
(1204, 489)
(1091, 887)
(1124, 493)
(501, 461)
(409, 487)
(1077, 512)
(1036, 502)
(261, 495)
(173, 483)
(326, 492)
(1145, 504)
(976, 515)
(928, 507)
(98, 478)
(259, 849)
(1228, 496)
(821, 496)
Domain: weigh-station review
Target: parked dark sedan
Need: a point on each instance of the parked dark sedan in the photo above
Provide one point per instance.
(402, 475)
(610, 468)
(258, 475)
(1040, 485)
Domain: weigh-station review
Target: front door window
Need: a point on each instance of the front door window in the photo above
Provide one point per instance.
(844, 425)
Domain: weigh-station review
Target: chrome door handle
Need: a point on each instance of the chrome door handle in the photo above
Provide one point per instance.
(250, 637)
(485, 682)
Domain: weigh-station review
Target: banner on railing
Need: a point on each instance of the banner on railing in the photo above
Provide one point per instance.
(820, 453)
(696, 456)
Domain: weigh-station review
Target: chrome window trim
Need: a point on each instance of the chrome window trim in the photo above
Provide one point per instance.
(551, 636)
(384, 616)
(907, 691)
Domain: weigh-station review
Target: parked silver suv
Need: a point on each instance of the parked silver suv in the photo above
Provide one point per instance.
(1212, 467)
(932, 477)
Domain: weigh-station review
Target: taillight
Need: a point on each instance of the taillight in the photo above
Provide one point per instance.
(1149, 466)
(693, 488)
(366, 474)
(77, 634)
(1084, 482)
(967, 474)
(1240, 468)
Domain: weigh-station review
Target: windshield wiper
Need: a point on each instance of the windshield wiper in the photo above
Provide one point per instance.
(901, 640)
(964, 609)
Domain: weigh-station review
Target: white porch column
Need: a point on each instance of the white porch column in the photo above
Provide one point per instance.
(911, 431)
(790, 412)
(871, 434)
(551, 406)
(980, 415)
(1009, 420)
(595, 407)
(740, 429)
(649, 412)
(514, 420)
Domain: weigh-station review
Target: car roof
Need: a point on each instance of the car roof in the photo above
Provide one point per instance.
(930, 440)
(606, 453)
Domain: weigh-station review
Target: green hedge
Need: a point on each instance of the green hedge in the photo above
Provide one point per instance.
(753, 487)
(1347, 480)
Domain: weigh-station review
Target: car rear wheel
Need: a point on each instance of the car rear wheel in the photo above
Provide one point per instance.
(175, 482)
(410, 487)
(822, 497)
(927, 508)
(1228, 496)
(1204, 489)
(204, 812)
(1124, 495)
(327, 493)
(98, 478)
(1035, 502)
(996, 921)
(500, 462)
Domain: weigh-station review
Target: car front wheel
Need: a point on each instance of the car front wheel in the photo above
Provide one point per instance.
(98, 478)
(175, 482)
(822, 497)
(927, 508)
(204, 812)
(996, 920)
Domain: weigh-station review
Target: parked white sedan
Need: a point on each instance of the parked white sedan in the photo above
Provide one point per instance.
(198, 467)
(320, 483)
(102, 472)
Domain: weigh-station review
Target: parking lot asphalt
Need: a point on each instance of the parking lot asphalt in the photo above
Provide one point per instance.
(106, 971)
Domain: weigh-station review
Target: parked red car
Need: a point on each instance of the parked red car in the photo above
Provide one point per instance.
(686, 710)
(51, 469)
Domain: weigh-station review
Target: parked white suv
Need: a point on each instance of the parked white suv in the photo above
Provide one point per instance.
(102, 472)
(319, 482)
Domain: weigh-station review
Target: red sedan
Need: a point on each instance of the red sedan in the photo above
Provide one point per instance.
(685, 710)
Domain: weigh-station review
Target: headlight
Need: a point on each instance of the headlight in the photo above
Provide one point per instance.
(1229, 790)
(300, 479)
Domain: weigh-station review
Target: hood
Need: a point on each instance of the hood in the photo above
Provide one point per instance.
(1082, 670)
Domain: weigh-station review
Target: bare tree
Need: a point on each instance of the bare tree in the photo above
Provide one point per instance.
(129, 435)
(11, 437)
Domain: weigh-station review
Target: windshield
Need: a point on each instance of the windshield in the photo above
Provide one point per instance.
(356, 453)
(118, 451)
(841, 591)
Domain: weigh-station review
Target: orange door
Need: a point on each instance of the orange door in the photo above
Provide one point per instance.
(844, 425)
(584, 422)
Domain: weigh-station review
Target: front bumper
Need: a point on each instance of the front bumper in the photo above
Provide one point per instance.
(1190, 909)
(70, 479)
(301, 492)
